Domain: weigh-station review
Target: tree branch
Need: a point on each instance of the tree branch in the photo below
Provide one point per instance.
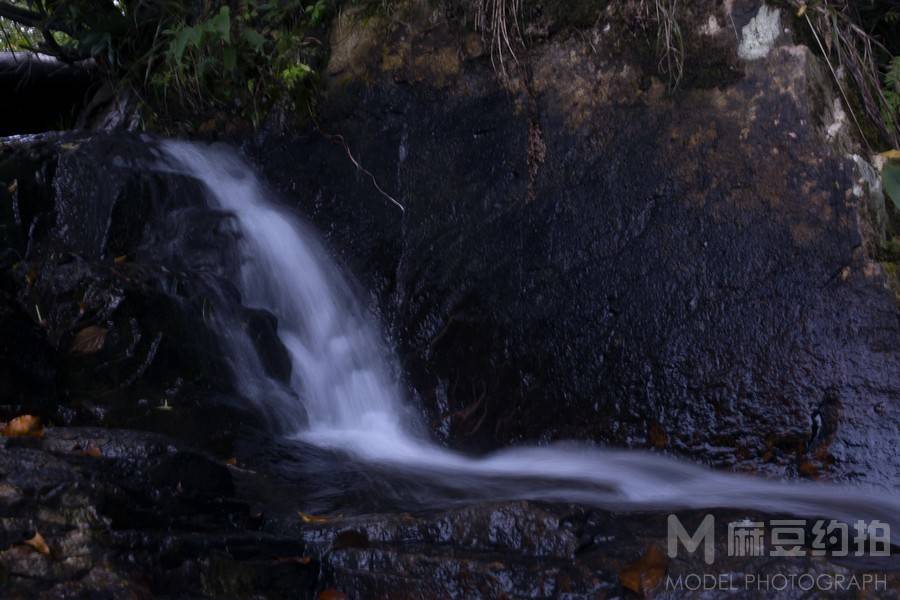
(26, 17)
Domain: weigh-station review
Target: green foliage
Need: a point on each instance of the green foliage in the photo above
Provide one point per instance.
(249, 61)
(187, 59)
(892, 92)
(891, 179)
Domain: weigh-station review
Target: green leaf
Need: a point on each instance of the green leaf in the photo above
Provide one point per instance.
(891, 177)
(230, 58)
(892, 77)
(221, 24)
(254, 39)
(184, 37)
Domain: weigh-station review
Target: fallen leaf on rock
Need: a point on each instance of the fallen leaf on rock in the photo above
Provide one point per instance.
(92, 451)
(307, 518)
(645, 573)
(38, 544)
(89, 340)
(300, 560)
(332, 594)
(24, 426)
(658, 436)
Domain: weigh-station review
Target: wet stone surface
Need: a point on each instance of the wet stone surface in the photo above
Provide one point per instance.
(111, 282)
(683, 272)
(128, 514)
(581, 256)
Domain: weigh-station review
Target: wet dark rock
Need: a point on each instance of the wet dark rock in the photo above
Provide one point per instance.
(682, 272)
(526, 550)
(263, 330)
(136, 515)
(97, 239)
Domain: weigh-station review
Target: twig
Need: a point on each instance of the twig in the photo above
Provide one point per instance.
(339, 139)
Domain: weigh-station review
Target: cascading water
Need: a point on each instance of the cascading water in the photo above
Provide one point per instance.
(345, 399)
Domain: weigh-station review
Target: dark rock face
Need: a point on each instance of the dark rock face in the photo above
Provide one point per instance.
(100, 244)
(479, 553)
(583, 256)
(133, 515)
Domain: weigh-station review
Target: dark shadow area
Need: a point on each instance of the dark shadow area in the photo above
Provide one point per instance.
(40, 93)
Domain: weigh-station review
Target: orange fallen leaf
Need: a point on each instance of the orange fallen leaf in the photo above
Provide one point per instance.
(89, 340)
(307, 518)
(24, 426)
(645, 573)
(38, 544)
(332, 594)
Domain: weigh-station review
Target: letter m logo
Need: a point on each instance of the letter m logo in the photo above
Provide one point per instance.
(677, 534)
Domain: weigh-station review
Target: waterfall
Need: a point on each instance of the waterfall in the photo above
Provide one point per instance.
(343, 396)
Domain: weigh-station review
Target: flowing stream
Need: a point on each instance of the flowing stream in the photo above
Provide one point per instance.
(343, 396)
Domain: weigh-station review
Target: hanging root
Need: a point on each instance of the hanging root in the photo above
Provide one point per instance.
(669, 42)
(670, 53)
(499, 20)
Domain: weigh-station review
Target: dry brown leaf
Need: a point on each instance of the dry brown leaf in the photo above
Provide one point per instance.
(891, 154)
(24, 426)
(93, 451)
(645, 573)
(332, 594)
(120, 259)
(658, 436)
(300, 560)
(231, 462)
(89, 340)
(38, 544)
(307, 518)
